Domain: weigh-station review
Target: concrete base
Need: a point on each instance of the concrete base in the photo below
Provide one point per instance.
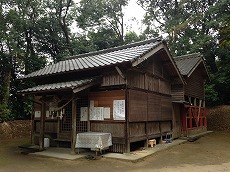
(61, 153)
(196, 136)
(64, 153)
(140, 154)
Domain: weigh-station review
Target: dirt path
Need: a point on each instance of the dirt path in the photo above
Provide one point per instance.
(208, 154)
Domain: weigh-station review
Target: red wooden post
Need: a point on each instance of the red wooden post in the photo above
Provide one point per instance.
(205, 118)
(183, 117)
(195, 115)
(190, 117)
(201, 116)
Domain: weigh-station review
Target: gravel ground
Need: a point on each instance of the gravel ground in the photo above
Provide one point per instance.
(207, 154)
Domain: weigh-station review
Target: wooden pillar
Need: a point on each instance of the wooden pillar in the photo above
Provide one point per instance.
(58, 130)
(199, 112)
(201, 116)
(146, 123)
(183, 117)
(195, 116)
(190, 117)
(74, 125)
(32, 127)
(127, 121)
(204, 115)
(42, 126)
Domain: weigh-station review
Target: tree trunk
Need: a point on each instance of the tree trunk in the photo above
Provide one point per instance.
(6, 86)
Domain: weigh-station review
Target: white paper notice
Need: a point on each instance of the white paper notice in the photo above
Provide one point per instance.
(97, 113)
(37, 114)
(106, 112)
(84, 114)
(119, 109)
(91, 110)
(91, 104)
(47, 114)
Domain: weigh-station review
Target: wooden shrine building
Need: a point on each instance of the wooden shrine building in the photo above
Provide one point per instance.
(126, 91)
(189, 112)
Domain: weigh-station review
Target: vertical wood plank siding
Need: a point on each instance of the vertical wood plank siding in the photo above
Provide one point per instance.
(137, 129)
(137, 106)
(154, 107)
(136, 79)
(166, 108)
(177, 92)
(116, 129)
(153, 128)
(50, 127)
(195, 85)
(114, 79)
(166, 126)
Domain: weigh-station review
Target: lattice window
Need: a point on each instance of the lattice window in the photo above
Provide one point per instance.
(66, 123)
(81, 125)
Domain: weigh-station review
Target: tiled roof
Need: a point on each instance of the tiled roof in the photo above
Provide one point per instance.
(57, 86)
(112, 56)
(187, 63)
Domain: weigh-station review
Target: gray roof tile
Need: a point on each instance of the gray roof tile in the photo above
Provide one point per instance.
(186, 63)
(106, 57)
(62, 85)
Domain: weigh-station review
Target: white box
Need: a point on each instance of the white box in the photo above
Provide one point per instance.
(46, 142)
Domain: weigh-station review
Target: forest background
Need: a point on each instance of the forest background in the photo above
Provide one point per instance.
(35, 33)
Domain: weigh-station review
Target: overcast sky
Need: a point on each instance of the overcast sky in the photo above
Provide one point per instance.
(133, 11)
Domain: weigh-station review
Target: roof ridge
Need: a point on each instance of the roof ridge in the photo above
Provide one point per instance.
(187, 56)
(114, 48)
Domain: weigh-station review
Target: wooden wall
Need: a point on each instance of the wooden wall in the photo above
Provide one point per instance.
(150, 114)
(112, 79)
(137, 106)
(115, 127)
(154, 107)
(195, 85)
(106, 98)
(177, 120)
(177, 92)
(149, 106)
(149, 101)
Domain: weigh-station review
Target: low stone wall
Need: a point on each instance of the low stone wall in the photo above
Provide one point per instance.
(218, 118)
(15, 129)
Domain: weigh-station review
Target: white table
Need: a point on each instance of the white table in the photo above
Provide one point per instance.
(96, 141)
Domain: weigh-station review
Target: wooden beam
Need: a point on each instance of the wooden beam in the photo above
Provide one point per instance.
(127, 129)
(190, 117)
(147, 55)
(198, 118)
(58, 128)
(120, 72)
(189, 99)
(83, 87)
(195, 102)
(74, 125)
(42, 126)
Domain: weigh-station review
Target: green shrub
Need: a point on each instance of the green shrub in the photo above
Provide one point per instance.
(5, 114)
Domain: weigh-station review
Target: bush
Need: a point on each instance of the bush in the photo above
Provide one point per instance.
(5, 114)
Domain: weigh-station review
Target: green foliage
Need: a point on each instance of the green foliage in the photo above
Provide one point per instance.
(212, 97)
(5, 113)
(30, 33)
(103, 38)
(131, 37)
(196, 26)
(101, 14)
